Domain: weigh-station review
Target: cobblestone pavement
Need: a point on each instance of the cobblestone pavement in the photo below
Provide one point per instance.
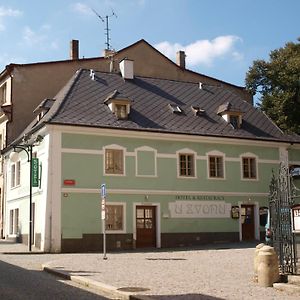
(217, 272)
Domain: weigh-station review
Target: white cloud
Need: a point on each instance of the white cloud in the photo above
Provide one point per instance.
(203, 51)
(7, 12)
(40, 38)
(31, 37)
(82, 8)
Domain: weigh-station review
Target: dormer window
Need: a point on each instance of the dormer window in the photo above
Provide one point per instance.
(121, 111)
(232, 115)
(43, 108)
(175, 108)
(119, 105)
(197, 110)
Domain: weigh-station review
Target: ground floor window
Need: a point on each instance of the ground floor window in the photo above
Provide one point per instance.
(14, 221)
(114, 219)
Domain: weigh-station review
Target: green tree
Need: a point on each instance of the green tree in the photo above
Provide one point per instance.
(278, 83)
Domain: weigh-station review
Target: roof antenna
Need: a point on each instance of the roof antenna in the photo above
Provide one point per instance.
(107, 30)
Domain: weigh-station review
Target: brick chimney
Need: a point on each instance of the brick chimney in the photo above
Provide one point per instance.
(180, 59)
(74, 49)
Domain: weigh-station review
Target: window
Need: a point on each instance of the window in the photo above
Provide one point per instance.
(186, 165)
(249, 167)
(14, 221)
(121, 111)
(216, 167)
(3, 93)
(234, 121)
(16, 174)
(114, 217)
(114, 161)
(175, 108)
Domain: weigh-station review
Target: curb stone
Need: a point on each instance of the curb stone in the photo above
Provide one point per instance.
(102, 287)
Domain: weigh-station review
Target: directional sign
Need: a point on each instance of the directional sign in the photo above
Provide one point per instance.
(103, 190)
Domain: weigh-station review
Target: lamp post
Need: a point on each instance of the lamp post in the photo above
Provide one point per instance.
(14, 158)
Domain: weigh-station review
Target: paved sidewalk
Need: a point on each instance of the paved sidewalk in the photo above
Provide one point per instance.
(216, 272)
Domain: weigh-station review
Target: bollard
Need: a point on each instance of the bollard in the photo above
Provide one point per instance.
(267, 270)
(257, 249)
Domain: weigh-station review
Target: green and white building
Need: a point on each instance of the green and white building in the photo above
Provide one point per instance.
(183, 163)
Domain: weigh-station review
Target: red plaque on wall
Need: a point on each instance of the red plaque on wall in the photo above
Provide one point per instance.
(69, 182)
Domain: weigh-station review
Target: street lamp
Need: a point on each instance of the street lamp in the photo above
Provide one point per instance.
(14, 156)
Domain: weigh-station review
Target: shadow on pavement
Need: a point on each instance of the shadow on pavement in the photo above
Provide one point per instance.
(18, 283)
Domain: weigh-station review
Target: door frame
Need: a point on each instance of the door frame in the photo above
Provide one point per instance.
(256, 218)
(157, 220)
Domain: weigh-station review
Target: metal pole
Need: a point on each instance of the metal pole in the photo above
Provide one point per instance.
(30, 199)
(103, 217)
(104, 240)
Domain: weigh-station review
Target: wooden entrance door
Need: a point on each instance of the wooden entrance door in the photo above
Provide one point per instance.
(145, 226)
(248, 224)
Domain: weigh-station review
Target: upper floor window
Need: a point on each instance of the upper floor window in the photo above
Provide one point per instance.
(249, 168)
(114, 161)
(3, 90)
(216, 166)
(16, 174)
(186, 165)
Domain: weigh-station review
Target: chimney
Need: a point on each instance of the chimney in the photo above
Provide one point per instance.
(74, 49)
(180, 59)
(126, 68)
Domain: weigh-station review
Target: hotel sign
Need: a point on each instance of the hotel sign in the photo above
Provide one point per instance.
(35, 172)
(200, 209)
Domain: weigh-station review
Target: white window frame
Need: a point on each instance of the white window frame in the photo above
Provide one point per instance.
(145, 149)
(15, 174)
(253, 156)
(14, 221)
(123, 204)
(215, 153)
(186, 151)
(114, 147)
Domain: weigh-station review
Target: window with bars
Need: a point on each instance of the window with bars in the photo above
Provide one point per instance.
(186, 165)
(114, 161)
(114, 217)
(216, 167)
(249, 168)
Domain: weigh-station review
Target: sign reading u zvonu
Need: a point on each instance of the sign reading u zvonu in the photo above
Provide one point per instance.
(35, 172)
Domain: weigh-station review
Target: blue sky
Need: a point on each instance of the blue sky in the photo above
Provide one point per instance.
(221, 37)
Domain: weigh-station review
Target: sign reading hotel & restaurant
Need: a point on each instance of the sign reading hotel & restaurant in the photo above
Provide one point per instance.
(200, 207)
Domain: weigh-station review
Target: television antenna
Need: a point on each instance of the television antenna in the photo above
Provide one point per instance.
(107, 30)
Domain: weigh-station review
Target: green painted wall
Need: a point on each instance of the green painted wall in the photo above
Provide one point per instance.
(81, 211)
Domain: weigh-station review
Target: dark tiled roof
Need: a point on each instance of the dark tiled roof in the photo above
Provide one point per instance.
(81, 102)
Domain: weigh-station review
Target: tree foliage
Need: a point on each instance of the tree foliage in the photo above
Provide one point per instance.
(278, 83)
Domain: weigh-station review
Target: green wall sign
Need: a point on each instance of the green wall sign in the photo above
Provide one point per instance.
(35, 172)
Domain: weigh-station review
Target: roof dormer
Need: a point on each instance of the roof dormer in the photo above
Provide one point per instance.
(231, 114)
(43, 108)
(118, 104)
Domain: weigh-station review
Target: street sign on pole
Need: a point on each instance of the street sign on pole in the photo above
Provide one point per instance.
(103, 190)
